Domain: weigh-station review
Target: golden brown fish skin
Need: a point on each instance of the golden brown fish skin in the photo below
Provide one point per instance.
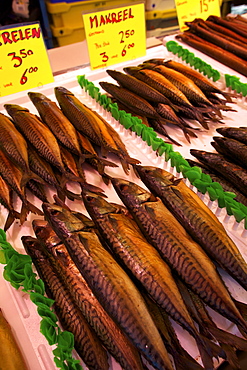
(178, 249)
(40, 136)
(229, 170)
(111, 285)
(201, 81)
(160, 83)
(185, 84)
(58, 123)
(139, 87)
(37, 133)
(93, 126)
(14, 146)
(199, 221)
(11, 355)
(13, 177)
(126, 241)
(134, 101)
(109, 333)
(87, 343)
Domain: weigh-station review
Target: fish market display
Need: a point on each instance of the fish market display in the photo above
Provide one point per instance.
(168, 94)
(183, 255)
(221, 39)
(49, 150)
(123, 279)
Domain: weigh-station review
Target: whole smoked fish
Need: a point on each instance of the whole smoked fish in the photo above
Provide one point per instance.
(116, 292)
(87, 343)
(199, 221)
(183, 254)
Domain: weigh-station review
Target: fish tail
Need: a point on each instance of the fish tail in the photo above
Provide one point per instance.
(232, 357)
(228, 338)
(74, 178)
(60, 194)
(32, 208)
(70, 195)
(106, 178)
(93, 189)
(30, 175)
(10, 219)
(102, 163)
(83, 157)
(23, 214)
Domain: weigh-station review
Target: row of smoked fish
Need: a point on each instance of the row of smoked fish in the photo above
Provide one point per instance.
(120, 276)
(49, 150)
(223, 39)
(228, 165)
(167, 93)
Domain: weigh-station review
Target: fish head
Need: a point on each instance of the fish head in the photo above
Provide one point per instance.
(36, 97)
(61, 255)
(131, 192)
(149, 173)
(62, 220)
(44, 233)
(97, 205)
(12, 109)
(61, 91)
(33, 247)
(132, 70)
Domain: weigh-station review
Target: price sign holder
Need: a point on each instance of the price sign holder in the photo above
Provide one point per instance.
(188, 10)
(115, 35)
(24, 62)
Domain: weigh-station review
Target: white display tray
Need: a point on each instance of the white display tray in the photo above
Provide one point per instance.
(16, 306)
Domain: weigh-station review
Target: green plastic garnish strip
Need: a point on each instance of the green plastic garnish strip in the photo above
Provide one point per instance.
(231, 81)
(19, 273)
(194, 174)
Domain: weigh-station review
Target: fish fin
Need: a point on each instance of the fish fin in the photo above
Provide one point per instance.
(10, 219)
(83, 157)
(231, 356)
(176, 191)
(105, 163)
(32, 208)
(72, 196)
(23, 214)
(228, 338)
(106, 178)
(60, 202)
(31, 175)
(93, 189)
(125, 165)
(60, 194)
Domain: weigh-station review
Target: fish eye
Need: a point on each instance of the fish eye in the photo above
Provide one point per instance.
(89, 198)
(38, 230)
(123, 187)
(54, 212)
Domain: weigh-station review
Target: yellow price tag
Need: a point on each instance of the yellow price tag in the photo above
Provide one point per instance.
(115, 35)
(24, 63)
(188, 10)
